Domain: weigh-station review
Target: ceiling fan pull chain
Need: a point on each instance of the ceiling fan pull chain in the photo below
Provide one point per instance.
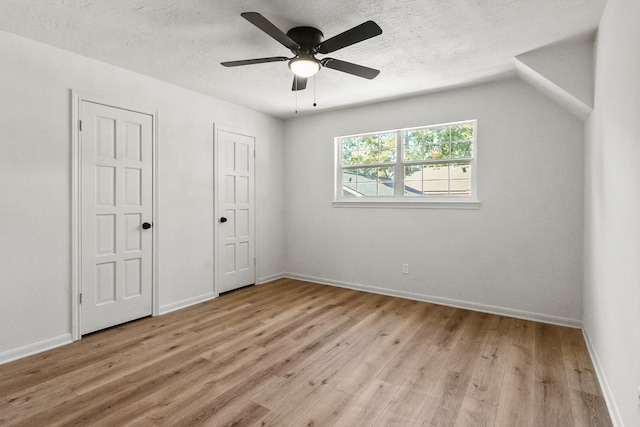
(295, 79)
(314, 91)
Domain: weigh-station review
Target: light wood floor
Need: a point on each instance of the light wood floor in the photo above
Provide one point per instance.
(291, 353)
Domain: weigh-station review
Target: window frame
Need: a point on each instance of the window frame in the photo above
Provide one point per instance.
(399, 199)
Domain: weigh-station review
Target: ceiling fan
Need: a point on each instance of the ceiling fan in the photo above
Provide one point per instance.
(305, 43)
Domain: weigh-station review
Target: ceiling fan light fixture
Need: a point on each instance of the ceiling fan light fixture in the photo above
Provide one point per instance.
(304, 65)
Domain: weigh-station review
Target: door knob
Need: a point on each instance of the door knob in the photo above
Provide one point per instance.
(223, 219)
(146, 226)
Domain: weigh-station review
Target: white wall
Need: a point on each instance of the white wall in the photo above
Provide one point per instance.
(612, 200)
(520, 253)
(35, 186)
(567, 65)
(563, 72)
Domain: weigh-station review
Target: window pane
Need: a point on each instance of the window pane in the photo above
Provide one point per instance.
(367, 157)
(349, 144)
(349, 151)
(442, 134)
(385, 173)
(436, 151)
(461, 149)
(463, 132)
(368, 143)
(427, 144)
(430, 179)
(413, 180)
(435, 187)
(387, 156)
(366, 187)
(414, 137)
(349, 157)
(387, 140)
(367, 182)
(349, 183)
(369, 149)
(435, 179)
(413, 173)
(460, 174)
(446, 142)
(413, 152)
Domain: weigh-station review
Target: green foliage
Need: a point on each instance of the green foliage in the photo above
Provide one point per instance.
(447, 142)
(370, 149)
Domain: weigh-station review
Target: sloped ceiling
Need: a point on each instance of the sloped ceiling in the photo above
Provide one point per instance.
(426, 45)
(564, 72)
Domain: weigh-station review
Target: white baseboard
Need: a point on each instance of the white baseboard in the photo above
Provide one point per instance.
(186, 303)
(503, 311)
(270, 278)
(37, 347)
(616, 419)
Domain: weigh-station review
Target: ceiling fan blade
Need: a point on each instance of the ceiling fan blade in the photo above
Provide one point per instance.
(265, 25)
(299, 83)
(348, 67)
(254, 61)
(355, 35)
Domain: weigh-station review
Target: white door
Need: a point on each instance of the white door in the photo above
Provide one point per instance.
(116, 206)
(235, 229)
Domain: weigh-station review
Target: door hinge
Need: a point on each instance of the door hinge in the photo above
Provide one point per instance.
(80, 125)
(80, 298)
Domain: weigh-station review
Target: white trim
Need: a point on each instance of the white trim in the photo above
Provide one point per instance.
(377, 202)
(468, 305)
(111, 102)
(214, 170)
(614, 413)
(75, 216)
(155, 272)
(34, 348)
(256, 259)
(76, 247)
(271, 278)
(459, 122)
(174, 306)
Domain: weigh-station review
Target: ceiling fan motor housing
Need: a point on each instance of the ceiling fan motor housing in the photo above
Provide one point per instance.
(308, 38)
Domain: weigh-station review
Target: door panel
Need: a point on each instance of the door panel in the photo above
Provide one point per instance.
(235, 236)
(116, 199)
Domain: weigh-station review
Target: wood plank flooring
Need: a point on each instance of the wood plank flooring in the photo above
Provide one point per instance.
(292, 353)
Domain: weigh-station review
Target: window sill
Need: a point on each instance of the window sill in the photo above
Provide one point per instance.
(407, 203)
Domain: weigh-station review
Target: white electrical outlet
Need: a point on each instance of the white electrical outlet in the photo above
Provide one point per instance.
(405, 268)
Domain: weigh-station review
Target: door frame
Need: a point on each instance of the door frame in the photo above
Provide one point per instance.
(77, 97)
(216, 207)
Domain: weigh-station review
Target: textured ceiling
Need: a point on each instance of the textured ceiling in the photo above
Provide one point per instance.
(426, 45)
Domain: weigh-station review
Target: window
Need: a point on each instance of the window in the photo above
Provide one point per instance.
(419, 165)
